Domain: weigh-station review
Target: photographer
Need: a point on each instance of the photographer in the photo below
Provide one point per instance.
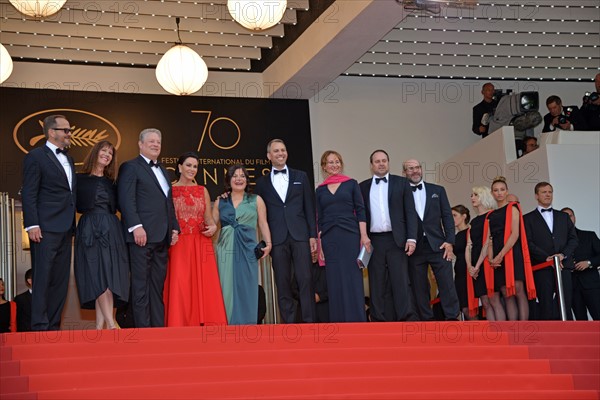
(590, 108)
(564, 118)
(483, 111)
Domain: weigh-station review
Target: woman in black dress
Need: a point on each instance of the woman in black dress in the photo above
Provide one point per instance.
(506, 252)
(101, 263)
(342, 225)
(476, 254)
(461, 217)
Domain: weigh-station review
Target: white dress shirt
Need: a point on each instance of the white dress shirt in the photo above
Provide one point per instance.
(380, 212)
(420, 199)
(64, 161)
(162, 180)
(548, 217)
(281, 182)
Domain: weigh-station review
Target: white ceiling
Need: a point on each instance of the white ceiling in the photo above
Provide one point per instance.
(486, 40)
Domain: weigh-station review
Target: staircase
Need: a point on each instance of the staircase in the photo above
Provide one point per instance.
(435, 360)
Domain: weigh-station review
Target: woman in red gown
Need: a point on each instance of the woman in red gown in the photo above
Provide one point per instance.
(192, 293)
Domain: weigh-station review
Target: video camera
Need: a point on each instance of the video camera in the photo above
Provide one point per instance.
(517, 109)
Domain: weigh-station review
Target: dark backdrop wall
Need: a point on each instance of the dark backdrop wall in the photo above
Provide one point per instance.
(223, 131)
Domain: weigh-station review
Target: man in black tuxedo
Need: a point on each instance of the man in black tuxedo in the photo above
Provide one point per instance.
(435, 241)
(289, 198)
(482, 112)
(150, 226)
(550, 233)
(574, 119)
(48, 195)
(392, 227)
(586, 280)
(23, 302)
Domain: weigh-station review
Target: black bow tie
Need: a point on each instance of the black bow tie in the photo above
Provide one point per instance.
(546, 209)
(377, 180)
(282, 171)
(419, 186)
(153, 164)
(64, 151)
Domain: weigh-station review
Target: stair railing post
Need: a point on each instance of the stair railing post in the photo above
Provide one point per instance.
(560, 290)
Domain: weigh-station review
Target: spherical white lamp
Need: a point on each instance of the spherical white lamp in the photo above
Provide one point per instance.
(6, 64)
(38, 8)
(181, 71)
(257, 15)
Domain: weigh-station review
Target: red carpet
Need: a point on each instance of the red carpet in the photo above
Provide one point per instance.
(450, 360)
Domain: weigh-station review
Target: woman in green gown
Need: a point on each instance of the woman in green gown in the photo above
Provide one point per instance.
(239, 214)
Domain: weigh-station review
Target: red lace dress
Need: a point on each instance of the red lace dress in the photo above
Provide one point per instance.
(192, 293)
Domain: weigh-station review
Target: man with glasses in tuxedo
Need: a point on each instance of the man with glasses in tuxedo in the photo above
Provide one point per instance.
(48, 196)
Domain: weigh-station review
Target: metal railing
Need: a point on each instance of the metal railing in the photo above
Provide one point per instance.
(8, 247)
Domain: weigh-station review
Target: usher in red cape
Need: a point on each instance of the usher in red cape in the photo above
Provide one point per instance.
(509, 263)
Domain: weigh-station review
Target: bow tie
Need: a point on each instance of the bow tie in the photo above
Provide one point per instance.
(64, 151)
(546, 209)
(377, 180)
(153, 164)
(282, 171)
(419, 186)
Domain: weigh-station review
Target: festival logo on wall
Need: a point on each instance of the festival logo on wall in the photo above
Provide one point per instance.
(224, 131)
(28, 133)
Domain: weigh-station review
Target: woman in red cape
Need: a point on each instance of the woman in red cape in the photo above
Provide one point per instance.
(509, 254)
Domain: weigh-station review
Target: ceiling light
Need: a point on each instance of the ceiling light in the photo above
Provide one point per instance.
(38, 8)
(6, 64)
(181, 70)
(257, 15)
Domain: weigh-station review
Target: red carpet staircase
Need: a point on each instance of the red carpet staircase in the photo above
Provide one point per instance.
(449, 360)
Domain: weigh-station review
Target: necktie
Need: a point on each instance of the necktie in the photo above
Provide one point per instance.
(64, 151)
(153, 164)
(377, 180)
(277, 171)
(546, 209)
(419, 186)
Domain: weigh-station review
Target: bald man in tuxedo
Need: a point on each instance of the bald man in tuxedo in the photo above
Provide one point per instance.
(49, 195)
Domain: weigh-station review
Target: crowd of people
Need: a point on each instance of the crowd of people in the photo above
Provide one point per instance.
(559, 116)
(160, 258)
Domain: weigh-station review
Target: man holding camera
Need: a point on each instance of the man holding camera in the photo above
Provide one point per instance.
(591, 107)
(564, 118)
(483, 111)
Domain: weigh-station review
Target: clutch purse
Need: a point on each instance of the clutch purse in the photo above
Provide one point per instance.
(364, 257)
(258, 250)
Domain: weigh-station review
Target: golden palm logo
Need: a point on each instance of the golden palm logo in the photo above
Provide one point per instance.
(88, 129)
(80, 137)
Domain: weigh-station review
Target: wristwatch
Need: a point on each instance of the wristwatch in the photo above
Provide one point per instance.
(589, 264)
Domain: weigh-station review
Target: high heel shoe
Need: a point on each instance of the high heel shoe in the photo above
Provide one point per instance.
(116, 326)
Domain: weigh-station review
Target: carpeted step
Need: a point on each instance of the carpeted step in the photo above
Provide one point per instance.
(303, 388)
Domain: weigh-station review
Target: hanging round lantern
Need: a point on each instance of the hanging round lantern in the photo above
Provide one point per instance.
(38, 8)
(6, 64)
(257, 15)
(181, 71)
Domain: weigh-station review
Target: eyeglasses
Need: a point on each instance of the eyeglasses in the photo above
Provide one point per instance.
(65, 130)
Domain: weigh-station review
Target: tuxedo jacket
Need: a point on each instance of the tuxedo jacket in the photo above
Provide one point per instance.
(576, 118)
(48, 201)
(142, 201)
(401, 206)
(543, 243)
(437, 224)
(296, 215)
(588, 249)
(23, 302)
